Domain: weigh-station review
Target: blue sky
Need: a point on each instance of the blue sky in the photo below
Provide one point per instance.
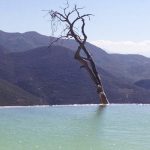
(114, 20)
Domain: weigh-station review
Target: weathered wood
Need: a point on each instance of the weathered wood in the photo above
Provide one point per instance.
(86, 63)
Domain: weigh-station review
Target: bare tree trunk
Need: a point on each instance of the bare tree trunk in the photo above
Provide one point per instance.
(89, 65)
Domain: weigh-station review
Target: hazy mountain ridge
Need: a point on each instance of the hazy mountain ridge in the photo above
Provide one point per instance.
(133, 67)
(53, 76)
(18, 42)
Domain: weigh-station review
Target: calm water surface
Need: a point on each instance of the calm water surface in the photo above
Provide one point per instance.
(114, 127)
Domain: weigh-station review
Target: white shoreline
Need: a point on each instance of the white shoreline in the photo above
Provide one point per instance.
(70, 105)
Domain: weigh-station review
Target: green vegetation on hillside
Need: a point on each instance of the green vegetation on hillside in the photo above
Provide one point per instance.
(11, 94)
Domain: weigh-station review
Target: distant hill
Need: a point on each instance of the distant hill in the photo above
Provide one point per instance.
(18, 42)
(3, 50)
(133, 67)
(52, 76)
(145, 83)
(11, 94)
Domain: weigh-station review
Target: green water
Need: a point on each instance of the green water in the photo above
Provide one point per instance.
(115, 127)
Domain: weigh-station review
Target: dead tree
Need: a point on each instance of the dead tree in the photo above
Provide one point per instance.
(70, 20)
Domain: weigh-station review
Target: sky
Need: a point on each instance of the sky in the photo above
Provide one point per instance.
(118, 26)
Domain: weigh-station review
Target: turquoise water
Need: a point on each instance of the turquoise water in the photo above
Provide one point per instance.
(114, 127)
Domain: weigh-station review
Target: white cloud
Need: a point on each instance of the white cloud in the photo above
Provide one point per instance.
(125, 47)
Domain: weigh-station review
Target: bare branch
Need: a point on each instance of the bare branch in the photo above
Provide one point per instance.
(83, 32)
(78, 18)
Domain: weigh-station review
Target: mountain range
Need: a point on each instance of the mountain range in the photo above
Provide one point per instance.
(34, 73)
